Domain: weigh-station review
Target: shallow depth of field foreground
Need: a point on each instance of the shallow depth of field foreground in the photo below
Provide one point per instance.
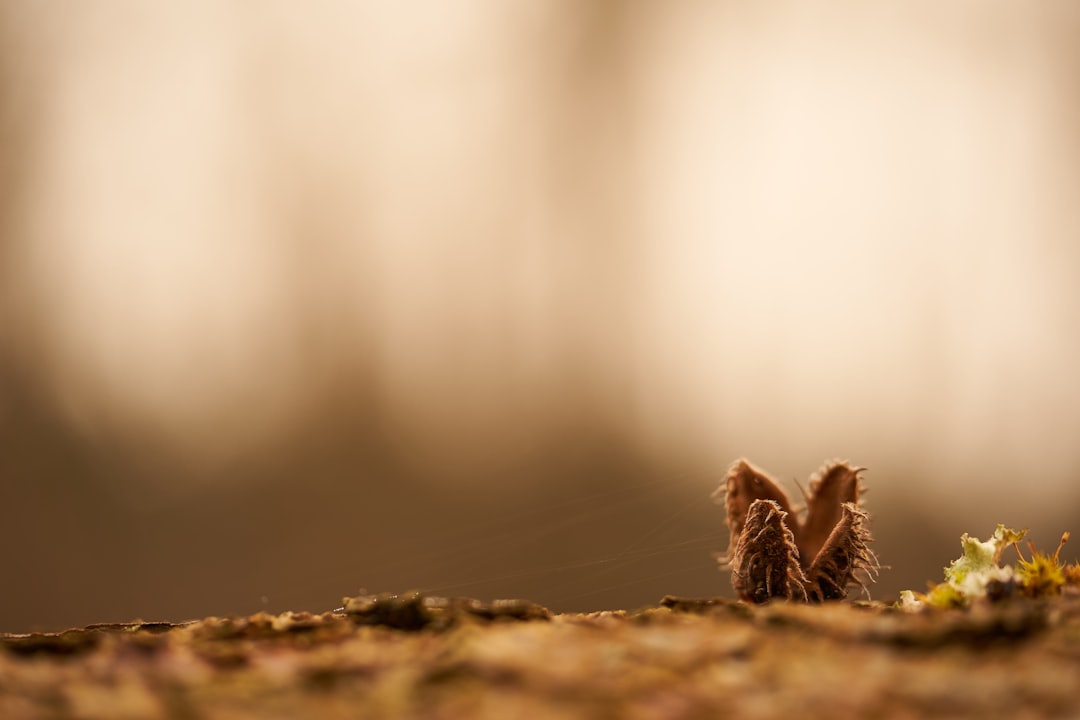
(415, 658)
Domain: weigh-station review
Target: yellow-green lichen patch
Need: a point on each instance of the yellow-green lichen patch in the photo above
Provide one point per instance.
(1044, 574)
(978, 574)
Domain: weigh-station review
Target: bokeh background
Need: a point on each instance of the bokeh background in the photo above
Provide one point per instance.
(483, 297)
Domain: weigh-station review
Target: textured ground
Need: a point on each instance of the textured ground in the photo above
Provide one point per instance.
(421, 657)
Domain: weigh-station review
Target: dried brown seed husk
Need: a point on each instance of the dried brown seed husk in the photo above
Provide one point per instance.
(770, 549)
(833, 485)
(844, 559)
(742, 485)
(765, 561)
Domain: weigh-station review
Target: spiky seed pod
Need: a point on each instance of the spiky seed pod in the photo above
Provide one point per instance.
(844, 558)
(772, 554)
(765, 562)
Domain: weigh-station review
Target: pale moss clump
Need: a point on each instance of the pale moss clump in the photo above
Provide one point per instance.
(978, 573)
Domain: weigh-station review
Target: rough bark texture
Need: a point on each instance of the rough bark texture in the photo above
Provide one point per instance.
(419, 657)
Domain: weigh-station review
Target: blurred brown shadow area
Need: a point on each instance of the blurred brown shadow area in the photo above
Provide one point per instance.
(483, 298)
(285, 314)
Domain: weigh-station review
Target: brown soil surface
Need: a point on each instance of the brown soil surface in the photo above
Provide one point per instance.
(419, 657)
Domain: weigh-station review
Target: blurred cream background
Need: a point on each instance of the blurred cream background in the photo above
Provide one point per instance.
(484, 297)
